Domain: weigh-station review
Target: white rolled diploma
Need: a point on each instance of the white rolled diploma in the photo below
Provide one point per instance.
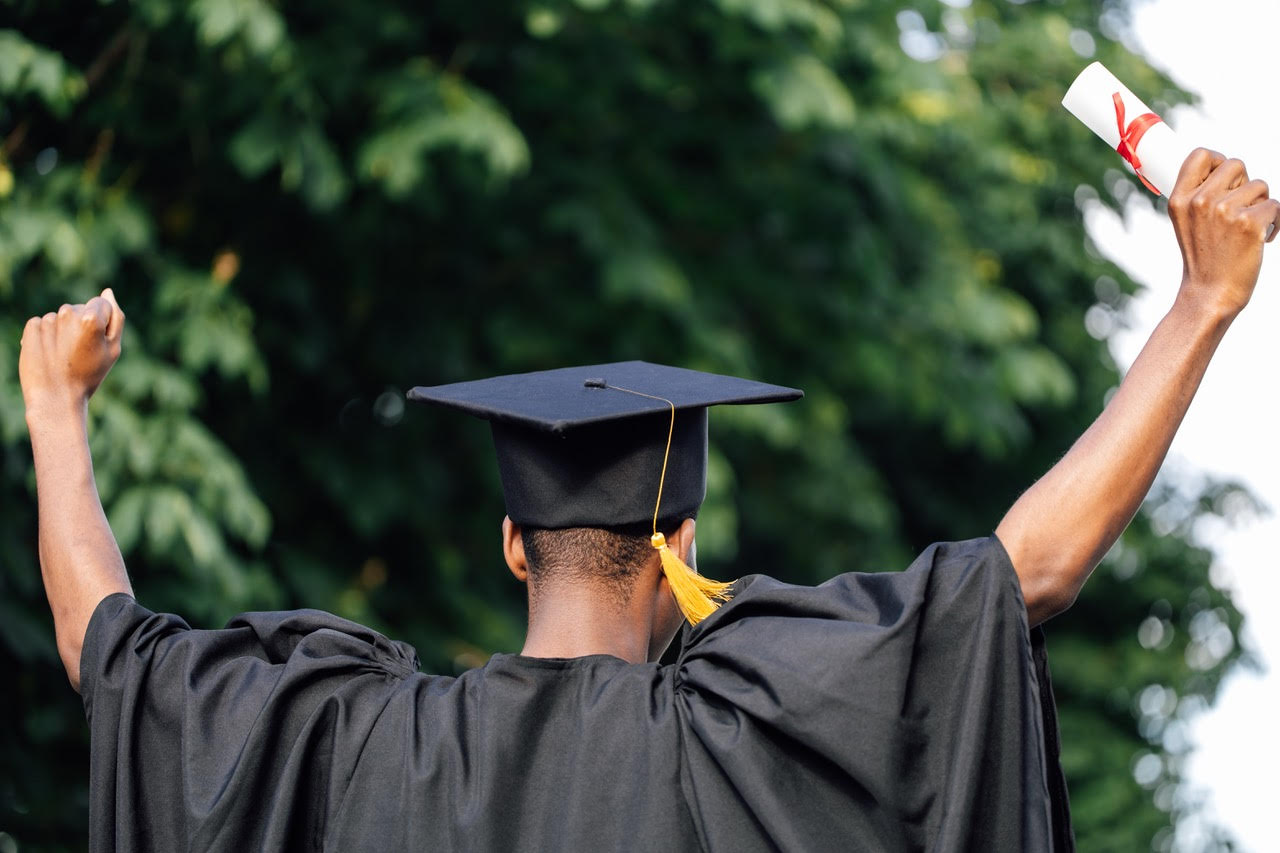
(1160, 150)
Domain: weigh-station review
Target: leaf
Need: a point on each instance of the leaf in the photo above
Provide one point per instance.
(26, 68)
(645, 276)
(308, 163)
(424, 111)
(803, 92)
(776, 15)
(257, 23)
(258, 145)
(1035, 376)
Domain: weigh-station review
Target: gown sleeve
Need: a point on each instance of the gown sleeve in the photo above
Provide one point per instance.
(901, 709)
(235, 739)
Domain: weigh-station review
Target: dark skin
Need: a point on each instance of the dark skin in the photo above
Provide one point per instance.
(65, 357)
(1055, 533)
(1061, 527)
(569, 618)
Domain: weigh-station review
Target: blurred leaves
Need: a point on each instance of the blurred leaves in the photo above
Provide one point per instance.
(306, 210)
(29, 69)
(258, 24)
(306, 161)
(802, 91)
(421, 110)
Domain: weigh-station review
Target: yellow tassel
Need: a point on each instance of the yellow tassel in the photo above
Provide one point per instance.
(697, 596)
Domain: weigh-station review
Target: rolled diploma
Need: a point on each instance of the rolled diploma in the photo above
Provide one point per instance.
(1160, 151)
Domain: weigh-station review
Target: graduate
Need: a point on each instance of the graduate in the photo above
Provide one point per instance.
(889, 712)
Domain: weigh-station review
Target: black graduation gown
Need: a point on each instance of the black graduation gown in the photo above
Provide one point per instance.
(898, 711)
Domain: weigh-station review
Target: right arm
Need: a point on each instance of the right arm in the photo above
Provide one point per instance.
(65, 356)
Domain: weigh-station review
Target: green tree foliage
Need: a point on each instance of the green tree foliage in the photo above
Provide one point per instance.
(308, 208)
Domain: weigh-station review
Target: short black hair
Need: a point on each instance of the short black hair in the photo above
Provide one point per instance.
(609, 556)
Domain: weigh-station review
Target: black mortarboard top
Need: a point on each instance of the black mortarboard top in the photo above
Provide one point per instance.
(587, 446)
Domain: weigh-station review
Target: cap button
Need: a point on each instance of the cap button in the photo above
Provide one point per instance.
(595, 383)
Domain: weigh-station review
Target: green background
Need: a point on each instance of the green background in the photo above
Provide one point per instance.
(307, 208)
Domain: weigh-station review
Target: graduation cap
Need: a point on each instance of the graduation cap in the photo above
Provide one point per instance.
(607, 445)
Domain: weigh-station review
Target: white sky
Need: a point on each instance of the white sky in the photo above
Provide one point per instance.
(1223, 51)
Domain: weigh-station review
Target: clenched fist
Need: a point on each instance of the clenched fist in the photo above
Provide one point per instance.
(66, 355)
(1221, 218)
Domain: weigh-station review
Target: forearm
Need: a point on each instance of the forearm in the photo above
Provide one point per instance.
(79, 558)
(1059, 530)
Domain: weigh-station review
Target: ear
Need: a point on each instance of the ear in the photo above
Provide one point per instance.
(513, 550)
(682, 545)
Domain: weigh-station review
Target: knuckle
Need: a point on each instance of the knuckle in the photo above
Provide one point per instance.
(65, 310)
(1242, 221)
(49, 319)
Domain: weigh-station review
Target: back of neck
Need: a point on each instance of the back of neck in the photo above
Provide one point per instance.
(574, 619)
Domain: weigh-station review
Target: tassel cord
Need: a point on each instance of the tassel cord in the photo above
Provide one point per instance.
(696, 596)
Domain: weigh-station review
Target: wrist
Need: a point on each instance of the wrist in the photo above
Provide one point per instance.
(1200, 309)
(48, 409)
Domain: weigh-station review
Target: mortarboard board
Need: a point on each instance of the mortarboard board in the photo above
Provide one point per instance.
(581, 446)
(604, 445)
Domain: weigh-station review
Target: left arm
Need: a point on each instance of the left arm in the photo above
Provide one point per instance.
(1061, 527)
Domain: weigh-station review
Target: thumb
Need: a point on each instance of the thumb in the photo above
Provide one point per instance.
(116, 324)
(100, 312)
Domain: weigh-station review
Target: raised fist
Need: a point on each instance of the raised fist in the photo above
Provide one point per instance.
(1221, 219)
(66, 355)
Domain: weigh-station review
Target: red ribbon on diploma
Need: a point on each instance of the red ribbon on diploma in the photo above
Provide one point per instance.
(1130, 137)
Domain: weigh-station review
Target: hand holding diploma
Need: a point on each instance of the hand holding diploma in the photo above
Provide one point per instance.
(1220, 216)
(1221, 219)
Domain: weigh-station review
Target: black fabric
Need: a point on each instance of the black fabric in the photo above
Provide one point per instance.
(567, 398)
(888, 712)
(574, 450)
(1064, 838)
(606, 474)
